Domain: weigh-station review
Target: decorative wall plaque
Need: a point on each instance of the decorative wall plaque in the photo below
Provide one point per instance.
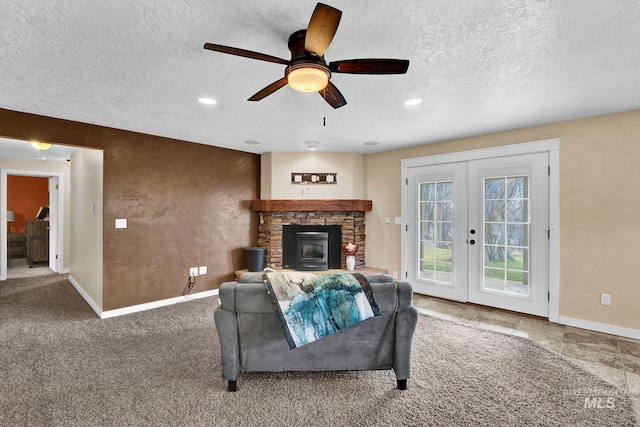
(314, 178)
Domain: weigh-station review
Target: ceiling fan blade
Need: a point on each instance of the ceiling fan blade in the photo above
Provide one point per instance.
(332, 95)
(321, 29)
(245, 53)
(370, 66)
(278, 84)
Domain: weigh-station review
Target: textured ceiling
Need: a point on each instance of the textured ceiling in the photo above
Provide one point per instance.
(480, 66)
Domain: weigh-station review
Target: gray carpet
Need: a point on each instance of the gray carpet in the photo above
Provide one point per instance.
(62, 366)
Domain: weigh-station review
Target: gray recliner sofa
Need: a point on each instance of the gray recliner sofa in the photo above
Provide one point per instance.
(252, 339)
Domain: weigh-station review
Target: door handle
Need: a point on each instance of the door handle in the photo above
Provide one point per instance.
(472, 242)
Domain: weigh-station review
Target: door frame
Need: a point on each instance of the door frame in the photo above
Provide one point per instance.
(549, 146)
(56, 228)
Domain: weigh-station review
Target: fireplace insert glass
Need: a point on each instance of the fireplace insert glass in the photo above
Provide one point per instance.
(290, 244)
(312, 251)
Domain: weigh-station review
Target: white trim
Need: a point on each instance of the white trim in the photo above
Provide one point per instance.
(554, 229)
(140, 307)
(484, 153)
(3, 216)
(156, 304)
(600, 327)
(550, 146)
(86, 296)
(404, 200)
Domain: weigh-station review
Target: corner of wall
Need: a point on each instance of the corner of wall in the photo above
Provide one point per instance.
(265, 175)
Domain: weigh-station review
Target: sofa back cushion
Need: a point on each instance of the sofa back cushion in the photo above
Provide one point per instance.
(253, 297)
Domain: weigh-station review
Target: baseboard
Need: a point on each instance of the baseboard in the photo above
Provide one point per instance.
(140, 307)
(156, 304)
(86, 296)
(600, 327)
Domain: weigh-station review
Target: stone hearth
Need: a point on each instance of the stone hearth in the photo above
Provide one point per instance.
(350, 214)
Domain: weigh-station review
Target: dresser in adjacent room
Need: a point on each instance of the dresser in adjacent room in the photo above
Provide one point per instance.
(37, 233)
(16, 245)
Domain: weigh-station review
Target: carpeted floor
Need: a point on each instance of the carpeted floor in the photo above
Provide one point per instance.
(18, 268)
(62, 366)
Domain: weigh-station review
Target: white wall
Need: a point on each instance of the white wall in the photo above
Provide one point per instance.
(599, 203)
(276, 169)
(86, 215)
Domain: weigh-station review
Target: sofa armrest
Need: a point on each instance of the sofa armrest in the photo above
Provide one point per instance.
(227, 295)
(405, 295)
(227, 327)
(406, 322)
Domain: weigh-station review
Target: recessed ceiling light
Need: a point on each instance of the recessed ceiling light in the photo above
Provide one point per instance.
(371, 143)
(252, 142)
(413, 101)
(207, 101)
(312, 144)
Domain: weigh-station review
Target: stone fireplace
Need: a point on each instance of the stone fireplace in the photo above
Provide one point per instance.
(274, 214)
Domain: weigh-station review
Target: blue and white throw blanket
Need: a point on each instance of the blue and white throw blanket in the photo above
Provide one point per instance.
(313, 306)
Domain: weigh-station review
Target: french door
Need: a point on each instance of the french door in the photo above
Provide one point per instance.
(477, 231)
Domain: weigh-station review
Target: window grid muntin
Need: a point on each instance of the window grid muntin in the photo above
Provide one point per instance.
(499, 193)
(435, 219)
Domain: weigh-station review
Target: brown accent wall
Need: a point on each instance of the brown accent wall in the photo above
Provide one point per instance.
(187, 205)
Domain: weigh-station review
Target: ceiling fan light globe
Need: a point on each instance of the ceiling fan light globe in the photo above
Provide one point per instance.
(308, 79)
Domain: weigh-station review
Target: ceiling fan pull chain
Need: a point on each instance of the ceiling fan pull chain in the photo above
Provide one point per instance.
(324, 107)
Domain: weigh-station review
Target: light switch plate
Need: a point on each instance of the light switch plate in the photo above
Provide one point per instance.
(202, 270)
(121, 223)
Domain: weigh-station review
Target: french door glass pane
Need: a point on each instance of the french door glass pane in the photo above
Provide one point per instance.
(507, 218)
(436, 231)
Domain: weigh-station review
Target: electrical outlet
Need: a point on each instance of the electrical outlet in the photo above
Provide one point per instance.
(193, 271)
(605, 299)
(202, 270)
(395, 274)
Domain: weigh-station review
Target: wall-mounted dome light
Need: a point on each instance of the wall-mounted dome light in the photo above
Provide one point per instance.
(42, 146)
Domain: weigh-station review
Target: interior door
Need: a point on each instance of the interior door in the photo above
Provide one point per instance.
(53, 224)
(477, 232)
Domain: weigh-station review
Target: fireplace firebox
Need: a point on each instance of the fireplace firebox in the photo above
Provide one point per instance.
(312, 252)
(317, 246)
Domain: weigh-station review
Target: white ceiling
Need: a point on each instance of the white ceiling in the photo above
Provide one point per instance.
(480, 66)
(19, 149)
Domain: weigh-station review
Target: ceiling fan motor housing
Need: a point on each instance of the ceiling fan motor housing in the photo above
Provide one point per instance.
(307, 72)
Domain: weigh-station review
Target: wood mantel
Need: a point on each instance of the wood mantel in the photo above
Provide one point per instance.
(333, 205)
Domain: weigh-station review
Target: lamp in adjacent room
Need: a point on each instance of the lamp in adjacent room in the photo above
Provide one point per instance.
(42, 146)
(11, 216)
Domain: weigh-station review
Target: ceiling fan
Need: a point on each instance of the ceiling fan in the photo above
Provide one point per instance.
(307, 70)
